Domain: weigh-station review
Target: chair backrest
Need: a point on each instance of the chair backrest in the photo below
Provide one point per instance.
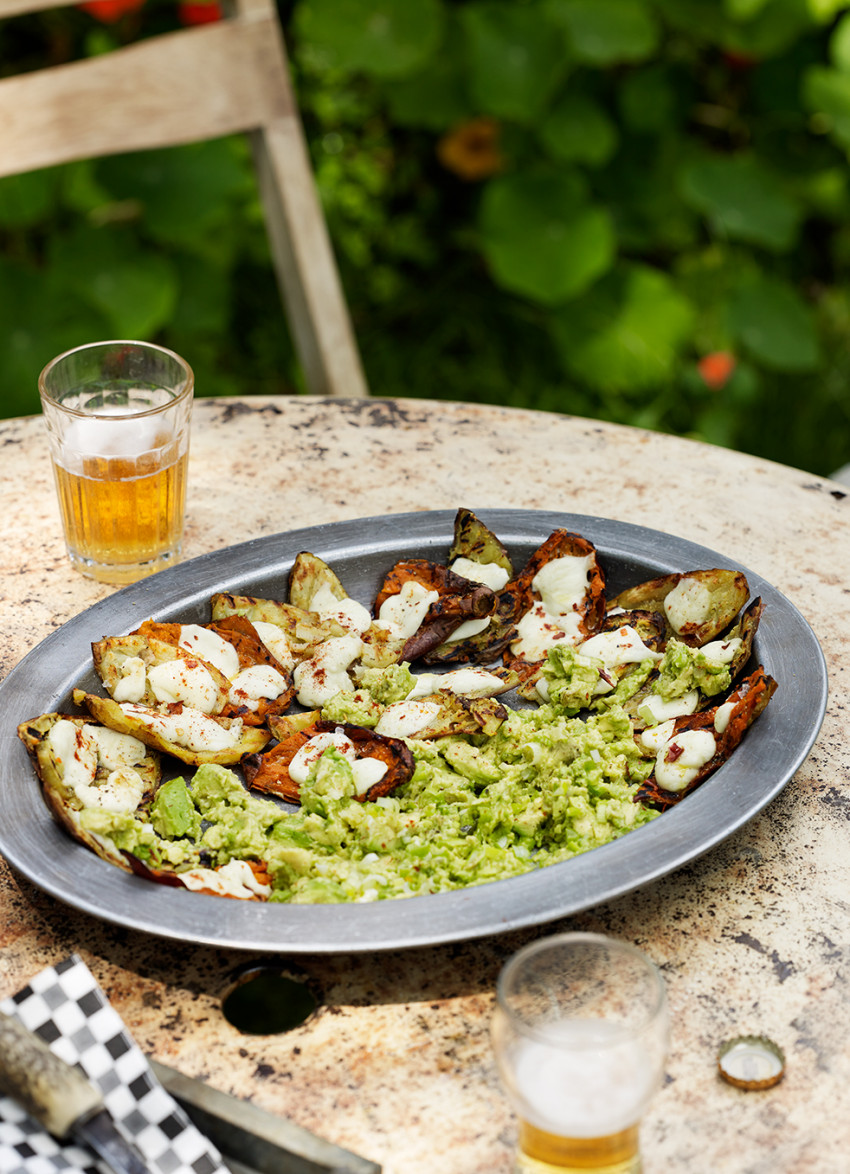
(200, 83)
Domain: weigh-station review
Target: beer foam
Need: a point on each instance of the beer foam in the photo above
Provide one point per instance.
(590, 1081)
(114, 433)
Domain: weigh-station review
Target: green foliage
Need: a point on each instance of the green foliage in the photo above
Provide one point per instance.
(637, 210)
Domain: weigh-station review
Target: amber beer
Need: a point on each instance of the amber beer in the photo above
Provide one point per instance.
(125, 514)
(543, 1153)
(117, 415)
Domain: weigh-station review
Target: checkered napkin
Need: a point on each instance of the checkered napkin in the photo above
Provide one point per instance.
(65, 1006)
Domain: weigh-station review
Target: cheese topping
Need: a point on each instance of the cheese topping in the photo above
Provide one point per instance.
(403, 719)
(188, 681)
(466, 682)
(275, 640)
(76, 751)
(211, 647)
(681, 757)
(255, 683)
(688, 603)
(490, 574)
(191, 728)
(655, 709)
(723, 716)
(721, 651)
(234, 879)
(402, 614)
(115, 750)
(131, 686)
(468, 628)
(121, 791)
(348, 613)
(656, 737)
(366, 770)
(624, 646)
(554, 618)
(323, 676)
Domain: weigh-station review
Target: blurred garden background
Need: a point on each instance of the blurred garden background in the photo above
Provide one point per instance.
(633, 210)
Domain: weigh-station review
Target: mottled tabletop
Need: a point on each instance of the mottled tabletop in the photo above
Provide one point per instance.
(753, 937)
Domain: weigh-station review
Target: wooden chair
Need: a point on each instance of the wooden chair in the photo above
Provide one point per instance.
(200, 83)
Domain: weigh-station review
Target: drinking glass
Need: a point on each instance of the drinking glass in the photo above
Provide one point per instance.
(117, 417)
(580, 1032)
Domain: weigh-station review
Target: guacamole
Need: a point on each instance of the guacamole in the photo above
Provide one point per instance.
(544, 788)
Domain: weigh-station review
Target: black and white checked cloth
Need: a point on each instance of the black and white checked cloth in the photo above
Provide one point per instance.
(65, 1006)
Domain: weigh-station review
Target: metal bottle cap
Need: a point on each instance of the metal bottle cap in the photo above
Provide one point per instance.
(751, 1062)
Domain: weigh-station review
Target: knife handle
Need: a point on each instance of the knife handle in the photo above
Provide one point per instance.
(52, 1091)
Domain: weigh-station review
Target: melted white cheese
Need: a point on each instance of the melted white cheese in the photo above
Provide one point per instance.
(688, 603)
(115, 750)
(723, 716)
(403, 719)
(75, 753)
(721, 651)
(655, 709)
(348, 613)
(366, 770)
(211, 647)
(623, 646)
(323, 676)
(191, 729)
(131, 686)
(653, 739)
(538, 631)
(402, 614)
(275, 640)
(121, 791)
(466, 682)
(554, 619)
(697, 748)
(468, 628)
(234, 879)
(255, 683)
(490, 574)
(188, 681)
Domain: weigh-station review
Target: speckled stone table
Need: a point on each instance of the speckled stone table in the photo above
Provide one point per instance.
(396, 1065)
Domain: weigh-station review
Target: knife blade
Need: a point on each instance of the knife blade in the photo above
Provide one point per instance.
(60, 1097)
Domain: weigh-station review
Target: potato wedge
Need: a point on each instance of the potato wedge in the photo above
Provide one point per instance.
(724, 725)
(304, 630)
(187, 734)
(74, 777)
(697, 605)
(149, 667)
(270, 772)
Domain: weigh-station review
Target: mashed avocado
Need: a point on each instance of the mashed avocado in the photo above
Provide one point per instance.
(544, 788)
(684, 668)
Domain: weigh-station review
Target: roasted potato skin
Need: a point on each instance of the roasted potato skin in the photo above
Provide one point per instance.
(729, 589)
(110, 714)
(750, 697)
(475, 541)
(304, 630)
(270, 772)
(61, 800)
(308, 575)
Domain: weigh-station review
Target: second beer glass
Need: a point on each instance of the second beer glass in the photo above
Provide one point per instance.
(581, 1034)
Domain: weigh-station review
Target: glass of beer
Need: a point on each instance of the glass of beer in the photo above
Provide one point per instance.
(581, 1033)
(117, 417)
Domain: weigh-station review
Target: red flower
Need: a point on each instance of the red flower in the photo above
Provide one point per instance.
(716, 369)
(198, 11)
(108, 11)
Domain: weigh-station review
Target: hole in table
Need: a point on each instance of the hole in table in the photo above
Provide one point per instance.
(268, 1000)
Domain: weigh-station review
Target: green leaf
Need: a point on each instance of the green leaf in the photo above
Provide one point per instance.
(435, 96)
(742, 200)
(839, 44)
(134, 289)
(774, 324)
(651, 101)
(387, 38)
(577, 130)
(184, 192)
(540, 237)
(826, 93)
(626, 334)
(515, 59)
(605, 32)
(27, 199)
(743, 9)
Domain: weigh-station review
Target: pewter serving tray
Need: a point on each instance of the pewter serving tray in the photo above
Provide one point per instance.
(360, 552)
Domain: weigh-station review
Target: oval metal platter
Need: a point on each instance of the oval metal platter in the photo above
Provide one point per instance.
(360, 552)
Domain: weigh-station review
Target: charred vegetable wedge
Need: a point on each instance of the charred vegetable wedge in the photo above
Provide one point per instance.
(560, 594)
(378, 764)
(83, 765)
(302, 631)
(422, 603)
(689, 749)
(697, 605)
(188, 734)
(147, 669)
